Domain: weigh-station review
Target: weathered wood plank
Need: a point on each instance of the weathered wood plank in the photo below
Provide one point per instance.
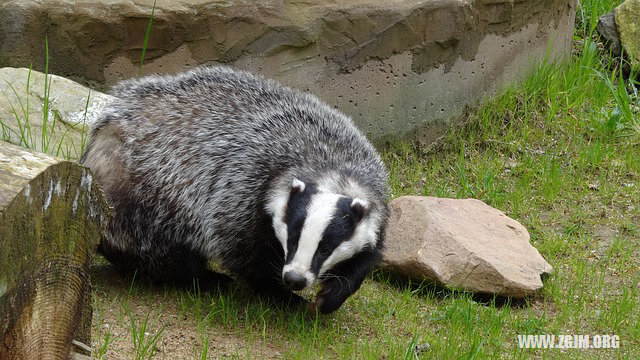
(51, 218)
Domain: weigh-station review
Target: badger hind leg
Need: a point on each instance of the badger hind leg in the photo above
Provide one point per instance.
(178, 266)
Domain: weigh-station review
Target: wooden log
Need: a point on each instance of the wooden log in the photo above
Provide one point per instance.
(51, 218)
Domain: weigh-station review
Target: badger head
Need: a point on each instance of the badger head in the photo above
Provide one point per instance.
(321, 232)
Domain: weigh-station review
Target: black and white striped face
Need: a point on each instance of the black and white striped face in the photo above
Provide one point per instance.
(317, 230)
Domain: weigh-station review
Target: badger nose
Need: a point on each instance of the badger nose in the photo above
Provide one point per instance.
(294, 280)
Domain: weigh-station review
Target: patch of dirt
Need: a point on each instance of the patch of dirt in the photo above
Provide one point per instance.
(604, 236)
(180, 337)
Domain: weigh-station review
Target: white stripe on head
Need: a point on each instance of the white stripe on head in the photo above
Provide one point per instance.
(319, 215)
(276, 207)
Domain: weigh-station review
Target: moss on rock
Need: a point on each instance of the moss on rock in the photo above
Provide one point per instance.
(628, 22)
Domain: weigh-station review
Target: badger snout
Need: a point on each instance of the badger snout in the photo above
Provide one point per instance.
(294, 280)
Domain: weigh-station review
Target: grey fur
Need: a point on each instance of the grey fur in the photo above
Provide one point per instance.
(191, 160)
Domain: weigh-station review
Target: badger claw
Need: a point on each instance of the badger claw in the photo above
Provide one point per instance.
(328, 299)
(314, 306)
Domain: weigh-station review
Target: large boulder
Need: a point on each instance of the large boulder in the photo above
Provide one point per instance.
(463, 244)
(71, 107)
(397, 67)
(627, 17)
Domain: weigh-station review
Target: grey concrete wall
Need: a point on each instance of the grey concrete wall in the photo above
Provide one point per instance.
(399, 68)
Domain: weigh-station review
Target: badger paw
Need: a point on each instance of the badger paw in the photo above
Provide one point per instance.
(330, 297)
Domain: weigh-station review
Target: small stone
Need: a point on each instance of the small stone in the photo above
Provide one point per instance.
(511, 163)
(607, 29)
(421, 348)
(462, 243)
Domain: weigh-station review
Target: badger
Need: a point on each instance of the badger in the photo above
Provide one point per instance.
(218, 164)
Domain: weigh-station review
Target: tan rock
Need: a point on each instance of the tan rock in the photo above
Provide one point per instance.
(462, 243)
(22, 102)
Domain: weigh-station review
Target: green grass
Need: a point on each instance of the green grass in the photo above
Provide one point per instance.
(103, 337)
(145, 340)
(561, 155)
(588, 13)
(25, 135)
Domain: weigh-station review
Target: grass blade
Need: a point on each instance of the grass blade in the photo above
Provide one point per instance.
(146, 37)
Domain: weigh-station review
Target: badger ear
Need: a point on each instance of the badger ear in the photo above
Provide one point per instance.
(297, 186)
(359, 207)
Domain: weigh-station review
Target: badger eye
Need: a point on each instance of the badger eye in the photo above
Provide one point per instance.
(324, 251)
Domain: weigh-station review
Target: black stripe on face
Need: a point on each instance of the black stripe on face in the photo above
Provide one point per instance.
(295, 215)
(340, 229)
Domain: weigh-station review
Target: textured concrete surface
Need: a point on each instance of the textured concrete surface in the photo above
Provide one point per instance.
(399, 68)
